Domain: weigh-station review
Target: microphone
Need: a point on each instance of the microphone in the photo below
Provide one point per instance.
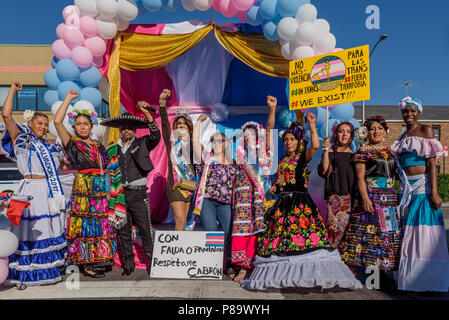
(151, 109)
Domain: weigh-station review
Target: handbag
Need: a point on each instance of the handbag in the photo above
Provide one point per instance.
(186, 184)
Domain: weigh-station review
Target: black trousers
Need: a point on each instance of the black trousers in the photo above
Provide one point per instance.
(137, 210)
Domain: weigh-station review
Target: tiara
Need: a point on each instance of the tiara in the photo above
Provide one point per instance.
(182, 112)
(73, 114)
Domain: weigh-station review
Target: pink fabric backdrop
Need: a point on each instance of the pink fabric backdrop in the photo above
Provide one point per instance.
(146, 86)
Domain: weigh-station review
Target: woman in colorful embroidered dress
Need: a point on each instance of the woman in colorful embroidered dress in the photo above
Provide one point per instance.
(213, 196)
(42, 245)
(294, 250)
(254, 160)
(90, 236)
(180, 155)
(339, 186)
(374, 234)
(424, 262)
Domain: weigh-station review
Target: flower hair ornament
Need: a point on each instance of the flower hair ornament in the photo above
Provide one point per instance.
(75, 113)
(409, 101)
(381, 120)
(28, 115)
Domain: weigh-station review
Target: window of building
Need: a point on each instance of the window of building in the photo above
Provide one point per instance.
(436, 132)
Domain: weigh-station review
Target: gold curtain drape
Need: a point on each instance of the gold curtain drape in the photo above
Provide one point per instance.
(135, 52)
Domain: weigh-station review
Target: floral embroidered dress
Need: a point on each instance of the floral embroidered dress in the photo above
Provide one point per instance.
(294, 250)
(251, 184)
(374, 238)
(90, 236)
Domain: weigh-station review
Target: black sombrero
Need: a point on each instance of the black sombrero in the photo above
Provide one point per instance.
(126, 119)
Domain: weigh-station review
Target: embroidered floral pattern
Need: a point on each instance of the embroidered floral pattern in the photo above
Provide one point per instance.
(220, 181)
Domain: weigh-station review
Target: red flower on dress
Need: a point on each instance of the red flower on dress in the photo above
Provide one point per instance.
(314, 238)
(275, 243)
(299, 240)
(304, 222)
(292, 219)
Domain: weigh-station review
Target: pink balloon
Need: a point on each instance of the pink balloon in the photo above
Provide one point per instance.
(82, 57)
(96, 46)
(60, 49)
(216, 5)
(98, 62)
(242, 16)
(73, 37)
(60, 30)
(337, 49)
(70, 10)
(227, 9)
(88, 26)
(242, 5)
(4, 269)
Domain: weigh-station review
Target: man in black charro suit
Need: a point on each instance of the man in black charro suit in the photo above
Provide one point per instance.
(133, 155)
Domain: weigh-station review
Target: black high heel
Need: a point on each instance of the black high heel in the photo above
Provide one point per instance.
(95, 275)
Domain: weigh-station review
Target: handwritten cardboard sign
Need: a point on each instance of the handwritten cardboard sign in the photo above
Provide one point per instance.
(330, 79)
(188, 255)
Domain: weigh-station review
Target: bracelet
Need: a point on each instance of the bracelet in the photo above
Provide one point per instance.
(326, 149)
(313, 131)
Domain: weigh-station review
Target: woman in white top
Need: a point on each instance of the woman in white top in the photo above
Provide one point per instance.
(42, 245)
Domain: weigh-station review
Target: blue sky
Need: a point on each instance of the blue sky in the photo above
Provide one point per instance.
(417, 47)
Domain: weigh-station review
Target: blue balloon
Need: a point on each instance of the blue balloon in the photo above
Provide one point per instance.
(355, 123)
(269, 9)
(4, 222)
(285, 118)
(344, 111)
(270, 30)
(50, 97)
(51, 79)
(90, 77)
(64, 87)
(253, 16)
(320, 113)
(54, 61)
(289, 8)
(67, 70)
(92, 95)
(322, 130)
(152, 5)
(171, 5)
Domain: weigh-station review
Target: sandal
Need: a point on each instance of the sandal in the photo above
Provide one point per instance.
(241, 276)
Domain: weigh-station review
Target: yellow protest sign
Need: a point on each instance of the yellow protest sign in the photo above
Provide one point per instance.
(329, 79)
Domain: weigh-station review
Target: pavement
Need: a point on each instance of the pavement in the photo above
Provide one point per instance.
(140, 286)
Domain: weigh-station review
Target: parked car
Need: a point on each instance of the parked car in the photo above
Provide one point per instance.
(9, 175)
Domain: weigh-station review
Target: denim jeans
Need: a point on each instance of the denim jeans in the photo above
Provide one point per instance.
(212, 211)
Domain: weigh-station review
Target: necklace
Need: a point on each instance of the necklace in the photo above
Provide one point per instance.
(375, 147)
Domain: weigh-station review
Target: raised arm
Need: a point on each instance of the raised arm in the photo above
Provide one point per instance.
(311, 118)
(60, 114)
(166, 132)
(155, 136)
(324, 165)
(196, 137)
(272, 103)
(10, 124)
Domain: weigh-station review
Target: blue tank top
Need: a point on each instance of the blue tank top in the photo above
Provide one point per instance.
(410, 159)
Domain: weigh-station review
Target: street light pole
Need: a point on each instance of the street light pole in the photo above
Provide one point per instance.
(382, 37)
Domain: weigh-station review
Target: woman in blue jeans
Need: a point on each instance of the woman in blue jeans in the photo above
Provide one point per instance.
(214, 193)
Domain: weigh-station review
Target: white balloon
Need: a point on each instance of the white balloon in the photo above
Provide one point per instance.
(306, 13)
(202, 5)
(9, 243)
(127, 9)
(188, 5)
(87, 7)
(68, 126)
(84, 105)
(302, 52)
(282, 41)
(98, 131)
(107, 8)
(287, 28)
(52, 129)
(325, 43)
(107, 28)
(321, 27)
(59, 141)
(122, 24)
(55, 106)
(306, 33)
(287, 49)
